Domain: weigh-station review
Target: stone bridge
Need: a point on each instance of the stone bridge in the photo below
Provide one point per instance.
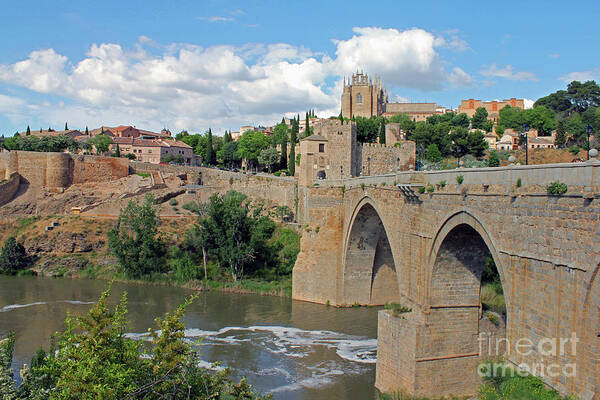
(375, 240)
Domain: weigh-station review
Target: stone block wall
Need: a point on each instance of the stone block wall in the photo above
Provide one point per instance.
(379, 159)
(272, 189)
(60, 170)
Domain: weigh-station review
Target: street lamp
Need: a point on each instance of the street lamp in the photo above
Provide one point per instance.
(588, 130)
(525, 130)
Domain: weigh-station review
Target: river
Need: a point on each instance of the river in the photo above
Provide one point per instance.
(295, 350)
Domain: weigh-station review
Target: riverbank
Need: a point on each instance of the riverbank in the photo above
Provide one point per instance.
(76, 247)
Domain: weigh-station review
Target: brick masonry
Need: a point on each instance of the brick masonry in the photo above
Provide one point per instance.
(547, 250)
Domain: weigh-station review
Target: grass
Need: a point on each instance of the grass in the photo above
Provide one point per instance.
(506, 384)
(143, 174)
(397, 309)
(492, 298)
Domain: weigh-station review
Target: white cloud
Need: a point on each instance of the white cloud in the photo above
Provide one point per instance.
(403, 58)
(508, 73)
(216, 18)
(458, 77)
(554, 55)
(187, 86)
(582, 76)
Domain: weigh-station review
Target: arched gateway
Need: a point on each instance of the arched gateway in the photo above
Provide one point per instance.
(369, 268)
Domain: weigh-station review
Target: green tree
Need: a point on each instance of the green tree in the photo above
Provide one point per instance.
(28, 131)
(461, 120)
(13, 257)
(433, 153)
(306, 126)
(476, 143)
(366, 129)
(540, 118)
(101, 143)
(493, 159)
(480, 119)
(210, 159)
(87, 132)
(460, 143)
(281, 135)
(118, 151)
(251, 144)
(269, 158)
(293, 139)
(511, 117)
(406, 123)
(229, 154)
(381, 133)
(135, 240)
(66, 127)
(561, 135)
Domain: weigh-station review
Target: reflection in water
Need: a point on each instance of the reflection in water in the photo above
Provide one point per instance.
(294, 350)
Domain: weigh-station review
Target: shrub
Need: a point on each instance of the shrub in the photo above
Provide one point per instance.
(430, 188)
(13, 257)
(493, 159)
(519, 182)
(557, 188)
(173, 202)
(144, 174)
(442, 184)
(460, 179)
(574, 150)
(362, 186)
(493, 318)
(131, 156)
(343, 189)
(397, 308)
(422, 189)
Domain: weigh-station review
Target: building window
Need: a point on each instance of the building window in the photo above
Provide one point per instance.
(150, 151)
(359, 98)
(321, 147)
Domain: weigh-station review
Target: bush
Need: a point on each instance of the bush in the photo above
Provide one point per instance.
(493, 159)
(13, 257)
(557, 188)
(574, 150)
(135, 241)
(131, 156)
(430, 188)
(94, 359)
(442, 184)
(519, 182)
(422, 189)
(460, 179)
(397, 308)
(173, 202)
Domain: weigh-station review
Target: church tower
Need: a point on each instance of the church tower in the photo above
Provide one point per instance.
(362, 97)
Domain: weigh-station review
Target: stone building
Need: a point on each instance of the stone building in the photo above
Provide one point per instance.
(493, 108)
(152, 150)
(332, 152)
(363, 97)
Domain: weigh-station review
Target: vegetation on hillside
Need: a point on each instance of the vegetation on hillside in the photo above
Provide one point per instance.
(94, 359)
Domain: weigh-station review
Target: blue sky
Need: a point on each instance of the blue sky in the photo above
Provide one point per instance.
(195, 64)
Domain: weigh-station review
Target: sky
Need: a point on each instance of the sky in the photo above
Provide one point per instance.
(222, 64)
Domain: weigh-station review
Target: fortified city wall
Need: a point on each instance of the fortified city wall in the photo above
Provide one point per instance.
(60, 170)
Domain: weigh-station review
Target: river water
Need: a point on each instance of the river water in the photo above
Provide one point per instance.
(295, 350)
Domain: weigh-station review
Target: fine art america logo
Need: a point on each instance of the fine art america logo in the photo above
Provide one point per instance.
(546, 352)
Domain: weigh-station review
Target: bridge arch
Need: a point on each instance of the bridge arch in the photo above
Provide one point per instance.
(453, 341)
(460, 231)
(590, 327)
(369, 270)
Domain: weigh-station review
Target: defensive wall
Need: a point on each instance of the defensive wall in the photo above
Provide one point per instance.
(372, 240)
(60, 170)
(277, 190)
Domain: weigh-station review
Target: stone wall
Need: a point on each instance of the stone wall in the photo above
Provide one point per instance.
(272, 189)
(379, 159)
(546, 248)
(8, 188)
(60, 170)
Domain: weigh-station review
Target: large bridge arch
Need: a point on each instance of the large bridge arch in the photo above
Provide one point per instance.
(369, 270)
(456, 337)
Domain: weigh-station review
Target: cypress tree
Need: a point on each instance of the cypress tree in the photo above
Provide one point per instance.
(381, 133)
(340, 117)
(293, 138)
(118, 152)
(561, 135)
(209, 148)
(86, 130)
(283, 158)
(307, 126)
(66, 127)
(28, 131)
